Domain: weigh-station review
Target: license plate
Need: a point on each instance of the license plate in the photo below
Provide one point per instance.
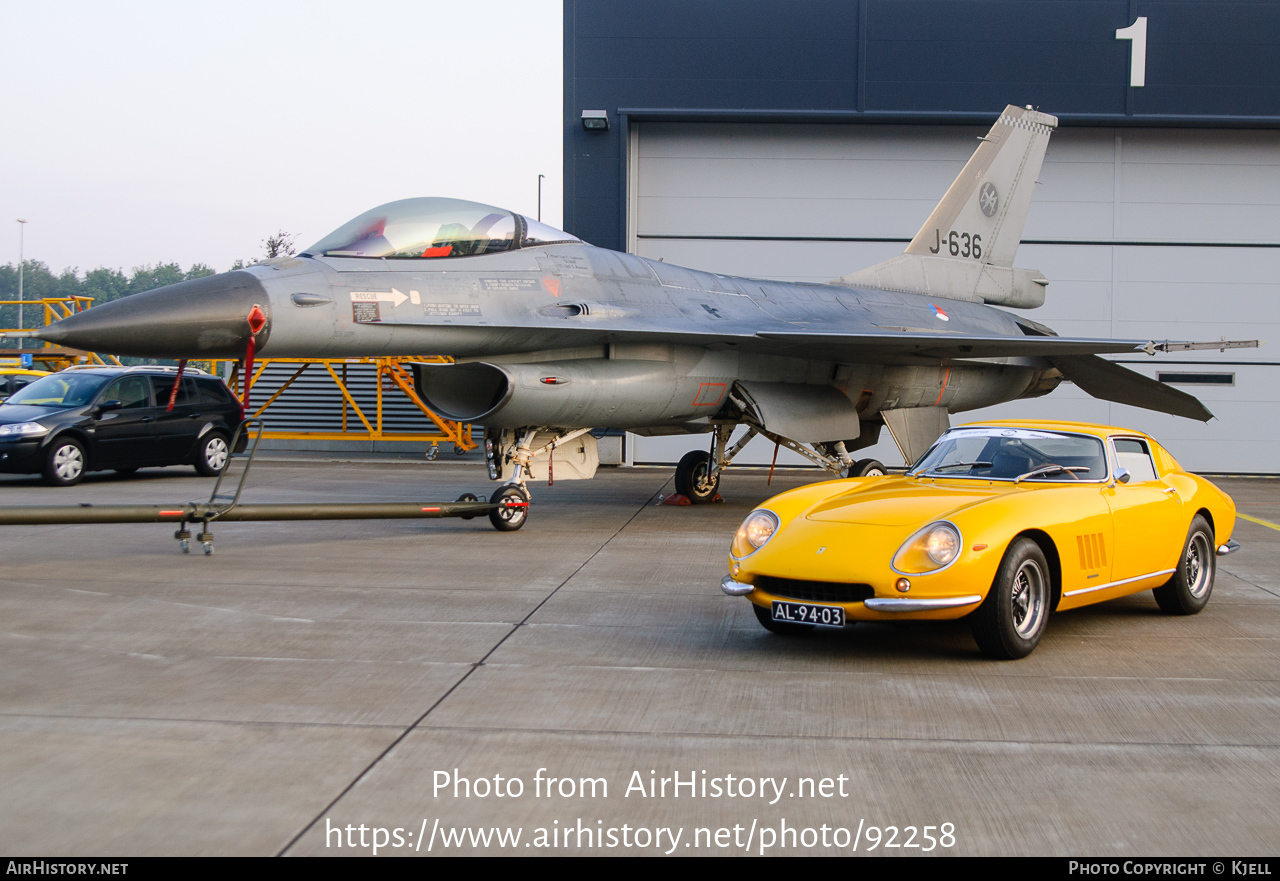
(808, 613)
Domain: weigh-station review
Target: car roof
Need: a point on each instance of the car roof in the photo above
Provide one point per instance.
(1060, 425)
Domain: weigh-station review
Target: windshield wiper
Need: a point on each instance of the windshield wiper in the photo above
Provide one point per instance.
(1052, 469)
(953, 465)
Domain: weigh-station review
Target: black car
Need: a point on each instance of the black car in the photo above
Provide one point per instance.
(95, 419)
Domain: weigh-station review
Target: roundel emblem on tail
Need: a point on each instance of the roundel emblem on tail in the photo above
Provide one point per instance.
(988, 199)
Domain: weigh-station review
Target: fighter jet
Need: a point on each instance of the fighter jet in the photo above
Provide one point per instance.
(553, 337)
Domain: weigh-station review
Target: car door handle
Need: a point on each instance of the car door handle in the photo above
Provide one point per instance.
(1171, 490)
(148, 419)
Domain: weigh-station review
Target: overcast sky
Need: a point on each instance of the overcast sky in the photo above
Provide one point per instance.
(144, 132)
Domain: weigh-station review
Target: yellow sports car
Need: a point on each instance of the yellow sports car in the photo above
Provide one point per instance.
(1002, 522)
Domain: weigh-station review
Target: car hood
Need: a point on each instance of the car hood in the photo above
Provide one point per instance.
(902, 502)
(11, 413)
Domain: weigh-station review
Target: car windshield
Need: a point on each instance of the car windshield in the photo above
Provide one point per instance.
(60, 390)
(1011, 453)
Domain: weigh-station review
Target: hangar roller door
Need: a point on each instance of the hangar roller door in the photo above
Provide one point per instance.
(1144, 233)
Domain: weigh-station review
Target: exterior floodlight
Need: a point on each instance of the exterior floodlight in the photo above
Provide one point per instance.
(595, 120)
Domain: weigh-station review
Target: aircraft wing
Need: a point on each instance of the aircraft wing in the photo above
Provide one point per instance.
(946, 345)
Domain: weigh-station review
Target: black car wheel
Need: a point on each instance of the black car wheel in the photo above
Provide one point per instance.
(213, 454)
(1012, 618)
(64, 462)
(691, 477)
(1188, 590)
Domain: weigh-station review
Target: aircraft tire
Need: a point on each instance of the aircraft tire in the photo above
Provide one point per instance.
(867, 468)
(1188, 590)
(782, 628)
(691, 479)
(509, 517)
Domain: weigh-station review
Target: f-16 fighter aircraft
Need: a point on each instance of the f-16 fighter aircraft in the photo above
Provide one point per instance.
(553, 337)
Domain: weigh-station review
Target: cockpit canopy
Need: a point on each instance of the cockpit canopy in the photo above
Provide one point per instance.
(433, 228)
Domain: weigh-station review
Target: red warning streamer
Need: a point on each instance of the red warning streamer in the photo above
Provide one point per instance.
(177, 381)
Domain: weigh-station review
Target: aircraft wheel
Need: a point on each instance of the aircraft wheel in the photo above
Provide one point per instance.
(691, 477)
(866, 468)
(1188, 590)
(468, 497)
(782, 628)
(512, 510)
(64, 464)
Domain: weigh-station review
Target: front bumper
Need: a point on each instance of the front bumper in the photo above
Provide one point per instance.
(21, 456)
(878, 607)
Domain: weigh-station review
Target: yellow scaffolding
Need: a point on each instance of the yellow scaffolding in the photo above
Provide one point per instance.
(391, 375)
(57, 357)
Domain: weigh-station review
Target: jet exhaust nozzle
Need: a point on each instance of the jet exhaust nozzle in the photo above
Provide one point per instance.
(201, 318)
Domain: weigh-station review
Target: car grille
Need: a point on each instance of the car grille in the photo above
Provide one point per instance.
(815, 591)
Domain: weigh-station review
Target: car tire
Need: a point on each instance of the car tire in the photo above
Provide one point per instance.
(1012, 618)
(512, 510)
(782, 628)
(1188, 590)
(691, 478)
(213, 454)
(64, 462)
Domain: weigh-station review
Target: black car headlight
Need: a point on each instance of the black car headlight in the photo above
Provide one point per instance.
(17, 430)
(754, 533)
(934, 547)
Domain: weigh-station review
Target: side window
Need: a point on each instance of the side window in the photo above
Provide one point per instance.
(1134, 457)
(134, 391)
(164, 388)
(211, 391)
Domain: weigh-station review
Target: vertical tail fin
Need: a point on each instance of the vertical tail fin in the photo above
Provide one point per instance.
(965, 249)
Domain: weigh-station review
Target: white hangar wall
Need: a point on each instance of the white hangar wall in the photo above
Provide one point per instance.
(1143, 233)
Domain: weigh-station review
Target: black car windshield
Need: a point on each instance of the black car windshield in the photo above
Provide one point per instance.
(60, 390)
(1010, 453)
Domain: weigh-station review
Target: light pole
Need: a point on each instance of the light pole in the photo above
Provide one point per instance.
(22, 228)
(540, 177)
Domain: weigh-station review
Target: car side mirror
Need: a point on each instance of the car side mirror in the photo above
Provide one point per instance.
(109, 405)
(1123, 475)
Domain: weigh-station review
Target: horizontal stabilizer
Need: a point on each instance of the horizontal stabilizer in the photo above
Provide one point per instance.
(1111, 382)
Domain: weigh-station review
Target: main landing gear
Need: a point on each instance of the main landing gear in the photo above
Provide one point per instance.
(698, 473)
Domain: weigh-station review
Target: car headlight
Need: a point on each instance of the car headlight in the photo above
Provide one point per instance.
(754, 532)
(934, 547)
(22, 429)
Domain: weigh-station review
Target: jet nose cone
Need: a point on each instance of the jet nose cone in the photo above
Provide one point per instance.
(201, 318)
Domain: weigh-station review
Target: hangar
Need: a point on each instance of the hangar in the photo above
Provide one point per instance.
(807, 140)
